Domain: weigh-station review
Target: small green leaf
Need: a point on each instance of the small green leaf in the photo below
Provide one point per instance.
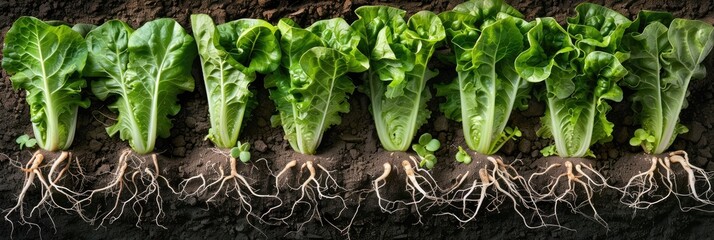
(25, 141)
(235, 152)
(424, 139)
(548, 151)
(635, 141)
(429, 164)
(22, 139)
(433, 145)
(245, 157)
(244, 147)
(462, 156)
(467, 160)
(420, 150)
(31, 143)
(517, 132)
(430, 158)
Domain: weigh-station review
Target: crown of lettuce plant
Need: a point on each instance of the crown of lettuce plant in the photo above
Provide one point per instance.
(47, 61)
(310, 88)
(579, 76)
(665, 55)
(231, 54)
(398, 53)
(485, 37)
(145, 70)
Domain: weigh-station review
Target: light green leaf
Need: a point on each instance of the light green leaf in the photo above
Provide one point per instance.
(424, 139)
(47, 61)
(462, 156)
(146, 69)
(663, 60)
(225, 52)
(244, 157)
(235, 152)
(398, 52)
(597, 28)
(433, 145)
(311, 89)
(486, 40)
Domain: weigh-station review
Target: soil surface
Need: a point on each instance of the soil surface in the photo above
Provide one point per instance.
(350, 151)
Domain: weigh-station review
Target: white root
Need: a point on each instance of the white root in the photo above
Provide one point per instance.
(30, 173)
(483, 186)
(311, 190)
(569, 196)
(141, 184)
(414, 187)
(225, 185)
(287, 167)
(413, 183)
(641, 186)
(506, 183)
(49, 187)
(387, 169)
(641, 191)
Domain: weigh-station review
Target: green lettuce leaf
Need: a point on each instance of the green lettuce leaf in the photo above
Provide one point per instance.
(597, 28)
(577, 88)
(398, 53)
(145, 70)
(230, 55)
(487, 87)
(46, 61)
(663, 60)
(310, 89)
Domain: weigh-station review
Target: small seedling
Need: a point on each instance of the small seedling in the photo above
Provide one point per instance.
(425, 148)
(26, 141)
(241, 152)
(462, 156)
(644, 139)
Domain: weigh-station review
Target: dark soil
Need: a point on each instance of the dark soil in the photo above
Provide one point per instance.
(351, 151)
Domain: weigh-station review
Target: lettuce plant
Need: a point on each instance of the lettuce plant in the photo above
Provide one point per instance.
(577, 87)
(47, 62)
(596, 27)
(486, 37)
(231, 54)
(145, 70)
(310, 88)
(398, 52)
(665, 55)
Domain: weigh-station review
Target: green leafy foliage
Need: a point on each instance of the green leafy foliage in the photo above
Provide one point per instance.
(462, 156)
(46, 61)
(398, 52)
(597, 28)
(425, 148)
(26, 141)
(665, 55)
(231, 54)
(144, 70)
(83, 28)
(578, 83)
(241, 151)
(486, 37)
(310, 88)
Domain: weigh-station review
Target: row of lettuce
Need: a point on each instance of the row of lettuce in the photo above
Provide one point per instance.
(497, 54)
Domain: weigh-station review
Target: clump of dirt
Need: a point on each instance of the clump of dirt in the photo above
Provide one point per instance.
(350, 152)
